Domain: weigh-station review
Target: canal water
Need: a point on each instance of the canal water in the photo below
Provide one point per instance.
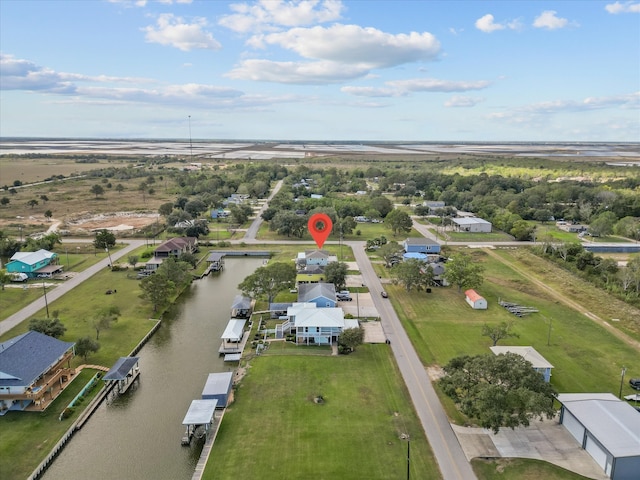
(137, 435)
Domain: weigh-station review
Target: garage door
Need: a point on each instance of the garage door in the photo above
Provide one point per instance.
(596, 451)
(575, 428)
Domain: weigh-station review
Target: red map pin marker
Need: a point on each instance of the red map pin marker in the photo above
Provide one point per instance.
(320, 226)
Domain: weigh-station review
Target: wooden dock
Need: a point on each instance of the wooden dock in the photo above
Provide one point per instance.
(208, 446)
(237, 348)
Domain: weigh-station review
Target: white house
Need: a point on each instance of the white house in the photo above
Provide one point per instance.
(477, 301)
(317, 326)
(530, 354)
(607, 428)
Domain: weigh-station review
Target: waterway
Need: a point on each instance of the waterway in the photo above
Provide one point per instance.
(137, 435)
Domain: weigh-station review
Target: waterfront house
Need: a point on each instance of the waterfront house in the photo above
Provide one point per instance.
(34, 368)
(317, 326)
(175, 247)
(323, 295)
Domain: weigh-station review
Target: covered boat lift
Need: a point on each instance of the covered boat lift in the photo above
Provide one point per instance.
(241, 307)
(234, 337)
(123, 373)
(200, 413)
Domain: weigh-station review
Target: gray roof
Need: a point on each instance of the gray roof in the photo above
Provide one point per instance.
(279, 307)
(241, 303)
(31, 258)
(311, 291)
(469, 221)
(218, 384)
(25, 357)
(215, 257)
(420, 241)
(200, 412)
(615, 423)
(121, 368)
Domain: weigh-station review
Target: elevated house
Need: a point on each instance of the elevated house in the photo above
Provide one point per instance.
(41, 263)
(323, 295)
(175, 247)
(538, 362)
(316, 326)
(320, 258)
(607, 428)
(471, 225)
(420, 245)
(34, 369)
(310, 274)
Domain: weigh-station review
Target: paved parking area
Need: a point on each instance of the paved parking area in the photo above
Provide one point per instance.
(373, 332)
(543, 440)
(361, 305)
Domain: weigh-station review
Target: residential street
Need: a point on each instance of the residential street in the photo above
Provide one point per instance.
(444, 443)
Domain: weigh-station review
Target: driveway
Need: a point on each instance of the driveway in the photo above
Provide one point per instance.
(543, 440)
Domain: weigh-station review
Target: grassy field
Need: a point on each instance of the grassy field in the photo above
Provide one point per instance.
(27, 437)
(275, 430)
(587, 358)
(520, 469)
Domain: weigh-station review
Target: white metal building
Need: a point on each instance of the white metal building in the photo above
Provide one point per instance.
(472, 225)
(607, 428)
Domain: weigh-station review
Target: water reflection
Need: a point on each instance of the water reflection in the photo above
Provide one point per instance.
(137, 436)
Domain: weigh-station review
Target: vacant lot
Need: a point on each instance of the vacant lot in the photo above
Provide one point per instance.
(275, 430)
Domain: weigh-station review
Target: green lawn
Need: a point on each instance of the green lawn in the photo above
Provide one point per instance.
(520, 469)
(587, 358)
(275, 430)
(27, 437)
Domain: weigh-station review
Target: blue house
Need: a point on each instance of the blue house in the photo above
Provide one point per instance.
(34, 369)
(420, 245)
(323, 295)
(33, 264)
(316, 326)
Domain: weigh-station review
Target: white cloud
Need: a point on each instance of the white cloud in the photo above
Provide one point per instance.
(550, 21)
(399, 88)
(463, 101)
(269, 15)
(173, 31)
(487, 25)
(303, 73)
(626, 7)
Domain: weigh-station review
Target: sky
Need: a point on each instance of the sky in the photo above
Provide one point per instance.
(361, 70)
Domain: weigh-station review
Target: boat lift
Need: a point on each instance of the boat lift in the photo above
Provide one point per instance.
(200, 413)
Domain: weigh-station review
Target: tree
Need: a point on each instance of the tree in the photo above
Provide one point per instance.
(97, 190)
(413, 273)
(498, 332)
(165, 209)
(398, 221)
(288, 223)
(336, 273)
(5, 201)
(104, 318)
(48, 214)
(345, 226)
(5, 278)
(461, 271)
(498, 390)
(86, 346)
(119, 188)
(158, 289)
(390, 252)
(603, 224)
(196, 207)
(32, 203)
(49, 326)
(269, 280)
(351, 338)
(133, 260)
(522, 230)
(104, 239)
(176, 271)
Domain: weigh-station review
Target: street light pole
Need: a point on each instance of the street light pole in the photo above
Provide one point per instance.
(46, 303)
(624, 370)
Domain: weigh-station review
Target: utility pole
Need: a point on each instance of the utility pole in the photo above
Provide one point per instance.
(624, 370)
(46, 303)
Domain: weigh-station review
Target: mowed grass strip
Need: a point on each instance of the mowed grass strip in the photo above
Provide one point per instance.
(275, 430)
(586, 356)
(27, 437)
(520, 469)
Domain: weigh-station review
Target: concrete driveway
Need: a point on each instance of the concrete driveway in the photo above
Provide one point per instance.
(543, 440)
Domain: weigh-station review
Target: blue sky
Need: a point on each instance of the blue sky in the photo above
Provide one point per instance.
(321, 70)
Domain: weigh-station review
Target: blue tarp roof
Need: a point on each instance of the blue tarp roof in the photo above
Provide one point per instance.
(25, 357)
(121, 368)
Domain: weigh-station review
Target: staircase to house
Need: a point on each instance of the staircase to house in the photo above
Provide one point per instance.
(282, 328)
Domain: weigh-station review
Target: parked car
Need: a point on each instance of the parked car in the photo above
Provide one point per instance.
(635, 383)
(343, 296)
(384, 294)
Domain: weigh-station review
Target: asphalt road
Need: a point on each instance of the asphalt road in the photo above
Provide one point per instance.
(444, 443)
(62, 288)
(252, 231)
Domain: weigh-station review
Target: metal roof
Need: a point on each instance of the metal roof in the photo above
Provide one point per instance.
(31, 258)
(615, 423)
(200, 412)
(419, 241)
(215, 257)
(25, 357)
(242, 303)
(218, 384)
(121, 368)
(469, 221)
(528, 353)
(234, 330)
(311, 291)
(309, 315)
